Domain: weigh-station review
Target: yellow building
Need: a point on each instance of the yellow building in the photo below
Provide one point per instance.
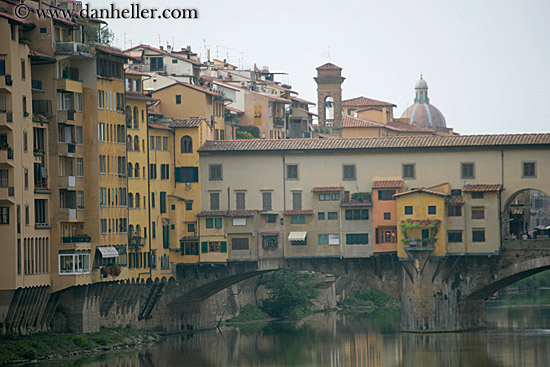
(421, 221)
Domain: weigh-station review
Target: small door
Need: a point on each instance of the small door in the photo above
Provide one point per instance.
(425, 236)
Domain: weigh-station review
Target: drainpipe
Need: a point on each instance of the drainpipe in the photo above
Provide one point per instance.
(147, 170)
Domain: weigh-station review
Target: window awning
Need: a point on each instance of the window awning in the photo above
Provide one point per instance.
(108, 251)
(297, 236)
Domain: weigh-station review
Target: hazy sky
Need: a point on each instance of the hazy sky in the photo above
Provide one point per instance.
(487, 63)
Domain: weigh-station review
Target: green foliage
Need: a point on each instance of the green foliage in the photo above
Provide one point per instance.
(292, 293)
(243, 135)
(369, 297)
(249, 313)
(361, 196)
(96, 34)
(252, 130)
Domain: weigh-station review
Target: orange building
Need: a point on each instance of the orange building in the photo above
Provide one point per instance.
(384, 214)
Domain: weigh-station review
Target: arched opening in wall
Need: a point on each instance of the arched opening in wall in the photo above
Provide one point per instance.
(527, 215)
(186, 144)
(329, 111)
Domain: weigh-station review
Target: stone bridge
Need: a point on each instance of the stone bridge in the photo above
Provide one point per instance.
(436, 294)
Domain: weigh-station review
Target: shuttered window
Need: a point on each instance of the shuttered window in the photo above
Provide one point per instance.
(239, 244)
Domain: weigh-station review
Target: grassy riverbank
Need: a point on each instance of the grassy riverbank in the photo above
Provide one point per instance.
(17, 349)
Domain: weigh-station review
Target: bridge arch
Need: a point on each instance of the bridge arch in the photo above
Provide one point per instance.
(527, 215)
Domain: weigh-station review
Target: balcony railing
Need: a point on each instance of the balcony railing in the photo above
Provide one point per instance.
(79, 238)
(278, 122)
(8, 79)
(71, 48)
(136, 241)
(41, 187)
(71, 73)
(42, 110)
(9, 151)
(146, 68)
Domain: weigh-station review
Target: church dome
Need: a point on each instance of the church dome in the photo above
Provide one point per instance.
(422, 113)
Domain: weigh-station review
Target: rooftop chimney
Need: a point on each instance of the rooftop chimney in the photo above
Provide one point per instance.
(169, 48)
(189, 47)
(162, 48)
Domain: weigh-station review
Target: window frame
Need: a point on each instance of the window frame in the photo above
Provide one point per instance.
(288, 177)
(353, 168)
(405, 166)
(464, 176)
(523, 165)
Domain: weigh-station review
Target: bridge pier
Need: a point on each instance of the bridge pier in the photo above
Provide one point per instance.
(431, 298)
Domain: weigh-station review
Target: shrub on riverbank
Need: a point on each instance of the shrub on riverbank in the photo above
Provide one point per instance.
(249, 313)
(15, 348)
(369, 298)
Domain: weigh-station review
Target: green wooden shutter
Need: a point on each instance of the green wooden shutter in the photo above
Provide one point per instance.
(195, 174)
(223, 246)
(163, 202)
(179, 174)
(204, 247)
(166, 236)
(218, 222)
(196, 248)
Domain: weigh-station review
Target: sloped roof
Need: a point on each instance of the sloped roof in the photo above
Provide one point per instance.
(327, 189)
(388, 184)
(189, 122)
(421, 190)
(298, 212)
(482, 187)
(365, 102)
(383, 143)
(351, 121)
(328, 66)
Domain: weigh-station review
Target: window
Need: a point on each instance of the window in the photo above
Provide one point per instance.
(332, 215)
(408, 171)
(240, 198)
(387, 216)
(408, 210)
(266, 200)
(529, 170)
(164, 172)
(191, 227)
(270, 241)
(214, 201)
(189, 205)
(163, 202)
(324, 197)
(80, 199)
(323, 239)
(454, 236)
(321, 216)
(292, 171)
(478, 235)
(74, 263)
(80, 167)
(23, 70)
(152, 171)
(348, 172)
(103, 226)
(478, 195)
(296, 200)
(478, 213)
(102, 196)
(239, 221)
(2, 66)
(357, 239)
(165, 143)
(335, 196)
(186, 144)
(357, 214)
(101, 131)
(467, 170)
(432, 209)
(298, 219)
(4, 215)
(178, 98)
(156, 64)
(454, 211)
(78, 102)
(4, 178)
(215, 172)
(386, 194)
(271, 218)
(239, 244)
(187, 174)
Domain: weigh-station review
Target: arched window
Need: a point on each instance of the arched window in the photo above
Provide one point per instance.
(129, 142)
(186, 144)
(130, 170)
(128, 117)
(138, 200)
(136, 115)
(144, 173)
(329, 110)
(136, 143)
(136, 170)
(130, 200)
(138, 230)
(131, 230)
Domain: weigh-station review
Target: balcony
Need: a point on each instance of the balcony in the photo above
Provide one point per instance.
(36, 85)
(7, 194)
(72, 48)
(6, 120)
(69, 117)
(136, 241)
(42, 110)
(67, 182)
(71, 215)
(147, 68)
(278, 122)
(66, 149)
(6, 155)
(78, 238)
(5, 81)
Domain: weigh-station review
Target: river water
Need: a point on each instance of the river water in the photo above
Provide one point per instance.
(517, 336)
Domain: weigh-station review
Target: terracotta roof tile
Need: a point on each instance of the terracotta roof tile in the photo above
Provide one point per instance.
(13, 18)
(351, 121)
(240, 213)
(298, 212)
(454, 200)
(113, 52)
(384, 143)
(328, 66)
(365, 102)
(239, 112)
(195, 87)
(427, 191)
(387, 184)
(189, 122)
(189, 238)
(300, 100)
(353, 204)
(134, 72)
(212, 213)
(401, 126)
(327, 189)
(139, 97)
(158, 126)
(482, 187)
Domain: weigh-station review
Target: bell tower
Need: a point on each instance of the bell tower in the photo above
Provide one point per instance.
(329, 97)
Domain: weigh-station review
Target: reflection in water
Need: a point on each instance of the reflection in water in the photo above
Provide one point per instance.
(517, 336)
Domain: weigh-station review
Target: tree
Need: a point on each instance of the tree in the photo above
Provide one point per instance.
(252, 130)
(291, 293)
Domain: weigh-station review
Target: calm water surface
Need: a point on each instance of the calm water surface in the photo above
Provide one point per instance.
(517, 336)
